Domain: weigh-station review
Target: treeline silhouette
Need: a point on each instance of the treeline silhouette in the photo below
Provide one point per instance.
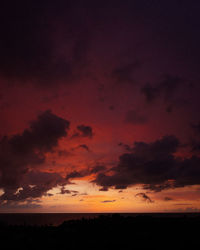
(106, 232)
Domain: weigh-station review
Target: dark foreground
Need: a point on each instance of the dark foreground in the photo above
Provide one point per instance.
(106, 232)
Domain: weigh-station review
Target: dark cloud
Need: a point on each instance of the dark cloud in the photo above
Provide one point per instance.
(84, 146)
(144, 197)
(184, 210)
(108, 201)
(64, 153)
(42, 41)
(97, 169)
(196, 128)
(153, 165)
(125, 146)
(112, 107)
(168, 199)
(192, 210)
(195, 145)
(64, 191)
(86, 172)
(49, 194)
(164, 89)
(29, 204)
(67, 191)
(169, 109)
(20, 155)
(104, 189)
(151, 93)
(34, 184)
(195, 141)
(189, 172)
(81, 146)
(83, 131)
(135, 117)
(182, 204)
(43, 134)
(74, 174)
(47, 40)
(124, 74)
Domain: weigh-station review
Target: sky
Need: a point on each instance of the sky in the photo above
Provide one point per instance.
(99, 106)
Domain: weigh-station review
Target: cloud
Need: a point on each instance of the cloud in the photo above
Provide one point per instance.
(182, 204)
(104, 189)
(86, 172)
(64, 153)
(67, 191)
(152, 165)
(83, 131)
(111, 107)
(108, 201)
(195, 141)
(42, 135)
(151, 93)
(42, 42)
(196, 127)
(74, 174)
(97, 169)
(124, 74)
(165, 88)
(29, 204)
(20, 155)
(195, 145)
(34, 184)
(192, 210)
(84, 146)
(144, 197)
(168, 199)
(135, 117)
(125, 146)
(81, 146)
(184, 210)
(169, 108)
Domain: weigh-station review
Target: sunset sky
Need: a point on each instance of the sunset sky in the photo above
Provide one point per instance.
(100, 106)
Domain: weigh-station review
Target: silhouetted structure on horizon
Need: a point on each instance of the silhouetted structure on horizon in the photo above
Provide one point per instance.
(107, 232)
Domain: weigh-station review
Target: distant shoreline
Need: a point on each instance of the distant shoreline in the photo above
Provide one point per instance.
(58, 218)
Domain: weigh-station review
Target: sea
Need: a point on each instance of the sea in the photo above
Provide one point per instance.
(56, 219)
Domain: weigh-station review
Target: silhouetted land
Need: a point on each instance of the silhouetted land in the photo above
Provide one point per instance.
(107, 232)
